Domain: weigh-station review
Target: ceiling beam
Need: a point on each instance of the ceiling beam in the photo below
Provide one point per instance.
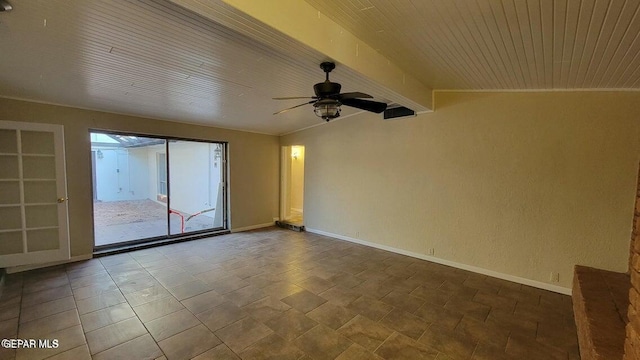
(276, 24)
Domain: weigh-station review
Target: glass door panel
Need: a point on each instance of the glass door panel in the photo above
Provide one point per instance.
(128, 203)
(37, 143)
(195, 186)
(10, 192)
(11, 239)
(11, 218)
(147, 188)
(11, 243)
(40, 216)
(36, 192)
(38, 167)
(8, 141)
(42, 239)
(9, 166)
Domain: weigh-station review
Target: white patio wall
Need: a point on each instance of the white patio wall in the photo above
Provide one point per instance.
(132, 174)
(194, 176)
(120, 174)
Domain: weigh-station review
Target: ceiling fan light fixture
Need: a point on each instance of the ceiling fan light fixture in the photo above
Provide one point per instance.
(329, 99)
(327, 109)
(5, 6)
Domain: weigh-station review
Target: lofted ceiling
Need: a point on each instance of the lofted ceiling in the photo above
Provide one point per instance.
(212, 62)
(501, 44)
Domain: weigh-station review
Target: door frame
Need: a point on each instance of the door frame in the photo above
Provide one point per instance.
(176, 237)
(286, 166)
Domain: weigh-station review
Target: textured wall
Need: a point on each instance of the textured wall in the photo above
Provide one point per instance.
(632, 344)
(253, 161)
(524, 184)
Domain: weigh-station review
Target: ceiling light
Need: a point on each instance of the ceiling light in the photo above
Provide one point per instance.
(327, 109)
(5, 6)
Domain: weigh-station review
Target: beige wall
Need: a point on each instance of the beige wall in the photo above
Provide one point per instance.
(523, 184)
(253, 161)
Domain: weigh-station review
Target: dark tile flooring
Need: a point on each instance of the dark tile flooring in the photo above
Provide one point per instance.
(278, 294)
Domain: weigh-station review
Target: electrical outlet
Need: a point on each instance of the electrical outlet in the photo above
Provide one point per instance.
(431, 251)
(554, 277)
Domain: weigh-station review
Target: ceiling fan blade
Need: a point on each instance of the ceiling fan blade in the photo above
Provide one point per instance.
(353, 95)
(293, 107)
(373, 106)
(294, 97)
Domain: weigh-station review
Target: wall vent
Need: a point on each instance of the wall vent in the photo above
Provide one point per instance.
(399, 111)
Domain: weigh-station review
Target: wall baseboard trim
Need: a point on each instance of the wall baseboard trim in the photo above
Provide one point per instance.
(475, 269)
(253, 227)
(21, 268)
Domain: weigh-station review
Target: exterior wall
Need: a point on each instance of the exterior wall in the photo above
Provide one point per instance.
(523, 184)
(121, 174)
(152, 164)
(632, 343)
(107, 184)
(253, 162)
(194, 178)
(138, 173)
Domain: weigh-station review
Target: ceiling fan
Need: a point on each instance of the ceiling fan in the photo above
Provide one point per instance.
(328, 98)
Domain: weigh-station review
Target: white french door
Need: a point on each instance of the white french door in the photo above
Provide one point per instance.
(33, 194)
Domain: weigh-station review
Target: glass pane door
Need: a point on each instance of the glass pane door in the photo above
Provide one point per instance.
(39, 183)
(130, 196)
(195, 186)
(10, 200)
(33, 196)
(148, 188)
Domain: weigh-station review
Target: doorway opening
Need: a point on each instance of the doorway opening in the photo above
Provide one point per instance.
(152, 188)
(292, 187)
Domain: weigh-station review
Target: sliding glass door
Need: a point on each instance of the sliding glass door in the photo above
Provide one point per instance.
(148, 188)
(196, 186)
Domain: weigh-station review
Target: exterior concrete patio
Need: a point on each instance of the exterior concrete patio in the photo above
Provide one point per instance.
(120, 221)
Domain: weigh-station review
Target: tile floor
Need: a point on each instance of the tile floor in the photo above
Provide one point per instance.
(279, 294)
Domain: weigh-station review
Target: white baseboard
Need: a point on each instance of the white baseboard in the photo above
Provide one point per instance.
(253, 227)
(21, 268)
(475, 269)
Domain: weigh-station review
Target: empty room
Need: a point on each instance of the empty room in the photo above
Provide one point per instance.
(314, 179)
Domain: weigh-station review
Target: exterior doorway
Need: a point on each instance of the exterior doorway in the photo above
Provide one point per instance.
(292, 186)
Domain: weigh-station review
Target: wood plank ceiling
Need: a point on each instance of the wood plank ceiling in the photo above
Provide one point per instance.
(152, 58)
(501, 44)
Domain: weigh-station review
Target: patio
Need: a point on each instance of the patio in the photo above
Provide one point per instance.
(119, 221)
